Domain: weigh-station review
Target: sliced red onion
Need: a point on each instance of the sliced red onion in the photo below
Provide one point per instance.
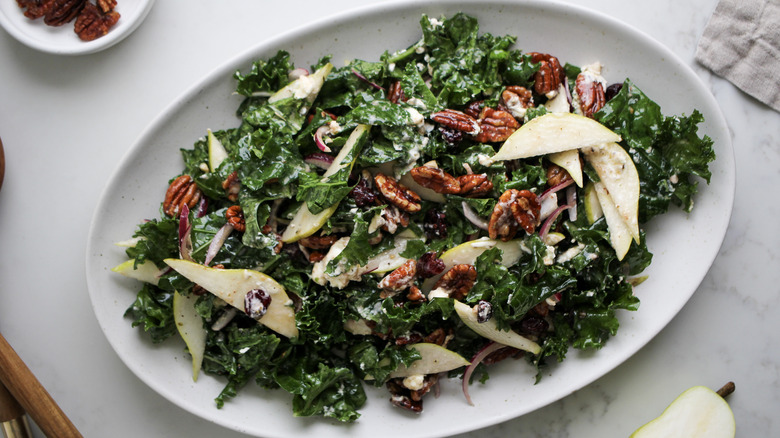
(319, 159)
(550, 220)
(472, 216)
(476, 360)
(296, 73)
(568, 95)
(571, 199)
(217, 242)
(185, 230)
(203, 205)
(318, 138)
(555, 188)
(365, 79)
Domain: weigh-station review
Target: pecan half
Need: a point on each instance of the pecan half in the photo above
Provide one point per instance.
(474, 108)
(591, 94)
(514, 208)
(106, 5)
(475, 185)
(34, 9)
(182, 190)
(495, 125)
(395, 93)
(458, 281)
(63, 11)
(457, 120)
(232, 185)
(526, 209)
(392, 218)
(401, 278)
(397, 194)
(319, 242)
(549, 76)
(517, 100)
(235, 217)
(93, 23)
(556, 175)
(436, 179)
(399, 396)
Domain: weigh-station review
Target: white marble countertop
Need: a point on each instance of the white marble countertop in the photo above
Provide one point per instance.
(66, 122)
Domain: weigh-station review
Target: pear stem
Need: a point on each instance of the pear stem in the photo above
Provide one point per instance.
(727, 389)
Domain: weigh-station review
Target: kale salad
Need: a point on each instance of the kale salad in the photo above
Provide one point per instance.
(399, 222)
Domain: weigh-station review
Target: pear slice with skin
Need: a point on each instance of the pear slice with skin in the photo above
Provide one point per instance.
(305, 223)
(552, 133)
(217, 152)
(699, 412)
(147, 271)
(305, 87)
(619, 233)
(569, 161)
(618, 173)
(435, 359)
(232, 285)
(593, 211)
(489, 329)
(190, 326)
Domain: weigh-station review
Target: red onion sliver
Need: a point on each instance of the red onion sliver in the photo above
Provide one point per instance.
(472, 216)
(318, 138)
(476, 360)
(185, 229)
(203, 205)
(217, 242)
(555, 188)
(365, 79)
(550, 219)
(319, 159)
(571, 199)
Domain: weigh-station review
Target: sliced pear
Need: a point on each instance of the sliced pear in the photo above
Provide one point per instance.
(305, 223)
(358, 327)
(570, 161)
(390, 259)
(619, 234)
(617, 172)
(593, 211)
(490, 330)
(554, 132)
(232, 285)
(147, 271)
(305, 87)
(190, 327)
(699, 412)
(217, 152)
(435, 359)
(467, 253)
(559, 103)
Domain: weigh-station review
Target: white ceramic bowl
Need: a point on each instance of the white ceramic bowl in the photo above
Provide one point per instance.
(684, 246)
(62, 40)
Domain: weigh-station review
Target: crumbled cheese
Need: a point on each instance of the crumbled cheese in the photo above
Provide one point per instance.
(549, 255)
(414, 382)
(485, 160)
(570, 253)
(438, 293)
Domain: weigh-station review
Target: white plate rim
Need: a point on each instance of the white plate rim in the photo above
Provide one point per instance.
(725, 180)
(62, 40)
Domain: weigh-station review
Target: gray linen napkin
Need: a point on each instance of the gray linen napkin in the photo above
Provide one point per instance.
(741, 43)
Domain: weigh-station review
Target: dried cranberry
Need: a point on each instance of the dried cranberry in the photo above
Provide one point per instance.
(435, 227)
(256, 303)
(429, 265)
(534, 325)
(612, 90)
(363, 193)
(450, 135)
(484, 311)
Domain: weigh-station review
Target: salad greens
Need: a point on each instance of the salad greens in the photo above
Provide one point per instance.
(558, 293)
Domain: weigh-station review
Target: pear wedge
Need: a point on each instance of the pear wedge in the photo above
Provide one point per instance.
(570, 161)
(619, 233)
(699, 412)
(190, 327)
(232, 285)
(305, 223)
(147, 271)
(435, 359)
(490, 330)
(552, 133)
(217, 152)
(305, 87)
(618, 173)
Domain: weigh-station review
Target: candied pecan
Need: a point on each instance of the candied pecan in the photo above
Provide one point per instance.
(556, 175)
(435, 226)
(35, 9)
(438, 337)
(499, 355)
(474, 108)
(316, 256)
(517, 99)
(502, 223)
(591, 94)
(232, 185)
(429, 265)
(319, 242)
(392, 218)
(411, 338)
(549, 76)
(458, 281)
(436, 179)
(63, 11)
(235, 217)
(401, 278)
(457, 120)
(428, 382)
(399, 397)
(395, 93)
(397, 194)
(106, 5)
(525, 210)
(415, 294)
(495, 125)
(475, 185)
(182, 190)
